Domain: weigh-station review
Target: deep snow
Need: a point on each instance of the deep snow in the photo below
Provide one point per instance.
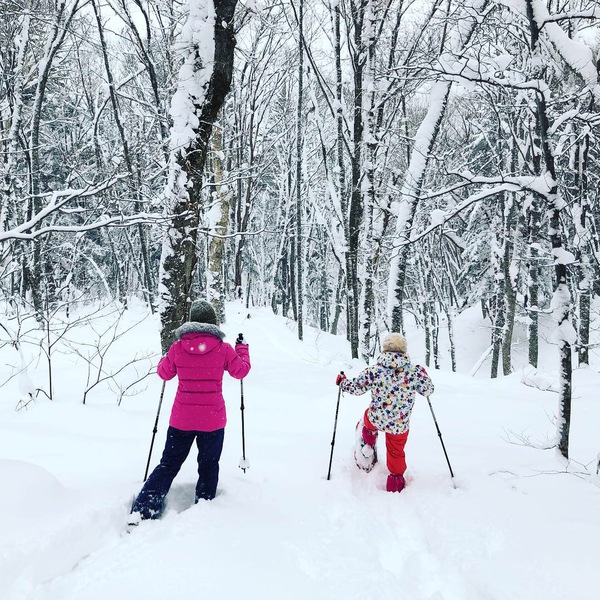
(521, 523)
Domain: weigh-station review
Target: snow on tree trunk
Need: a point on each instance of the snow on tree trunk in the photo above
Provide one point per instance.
(414, 177)
(342, 182)
(511, 280)
(356, 207)
(367, 314)
(298, 212)
(566, 336)
(533, 281)
(11, 144)
(582, 241)
(206, 46)
(409, 196)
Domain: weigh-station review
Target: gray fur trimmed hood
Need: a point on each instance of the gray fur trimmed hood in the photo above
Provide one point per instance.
(193, 327)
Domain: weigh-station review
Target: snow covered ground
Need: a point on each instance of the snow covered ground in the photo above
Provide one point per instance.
(519, 525)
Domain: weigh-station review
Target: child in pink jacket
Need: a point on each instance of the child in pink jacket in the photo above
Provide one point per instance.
(199, 358)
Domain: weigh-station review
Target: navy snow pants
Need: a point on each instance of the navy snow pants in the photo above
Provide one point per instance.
(150, 500)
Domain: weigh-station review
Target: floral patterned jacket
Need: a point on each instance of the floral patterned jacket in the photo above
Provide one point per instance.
(393, 381)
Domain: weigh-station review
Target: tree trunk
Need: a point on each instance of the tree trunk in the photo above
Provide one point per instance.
(582, 244)
(285, 285)
(512, 232)
(450, 320)
(533, 282)
(338, 303)
(561, 301)
(215, 283)
(427, 327)
(370, 246)
(188, 152)
(341, 183)
(497, 312)
(10, 145)
(299, 129)
(355, 213)
(414, 178)
(410, 194)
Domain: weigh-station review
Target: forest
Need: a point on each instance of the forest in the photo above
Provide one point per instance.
(353, 164)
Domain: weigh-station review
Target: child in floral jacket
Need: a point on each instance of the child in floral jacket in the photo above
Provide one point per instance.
(393, 381)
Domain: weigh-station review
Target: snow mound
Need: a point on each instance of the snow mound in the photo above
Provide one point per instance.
(24, 484)
(539, 379)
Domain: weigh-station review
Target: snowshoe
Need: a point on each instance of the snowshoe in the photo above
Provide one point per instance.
(365, 455)
(135, 518)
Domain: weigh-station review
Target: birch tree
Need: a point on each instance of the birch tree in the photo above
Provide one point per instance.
(425, 138)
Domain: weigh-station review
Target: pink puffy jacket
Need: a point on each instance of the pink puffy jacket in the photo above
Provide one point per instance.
(200, 357)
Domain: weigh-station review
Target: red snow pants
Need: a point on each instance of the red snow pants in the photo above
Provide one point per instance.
(394, 445)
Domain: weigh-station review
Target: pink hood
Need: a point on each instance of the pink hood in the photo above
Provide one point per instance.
(199, 357)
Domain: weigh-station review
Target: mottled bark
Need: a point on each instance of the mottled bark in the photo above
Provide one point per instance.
(298, 213)
(178, 263)
(562, 298)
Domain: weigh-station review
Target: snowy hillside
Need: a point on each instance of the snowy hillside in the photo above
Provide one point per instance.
(519, 525)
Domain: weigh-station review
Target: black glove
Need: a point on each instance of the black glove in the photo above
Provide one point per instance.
(240, 339)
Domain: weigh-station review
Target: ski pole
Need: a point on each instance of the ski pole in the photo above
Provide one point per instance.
(337, 408)
(441, 441)
(162, 393)
(244, 464)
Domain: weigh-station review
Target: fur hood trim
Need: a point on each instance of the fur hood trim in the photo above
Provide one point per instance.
(193, 327)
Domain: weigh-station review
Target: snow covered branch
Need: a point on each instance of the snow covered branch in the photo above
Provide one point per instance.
(540, 185)
(31, 229)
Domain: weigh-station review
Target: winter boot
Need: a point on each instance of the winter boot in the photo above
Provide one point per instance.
(395, 483)
(365, 450)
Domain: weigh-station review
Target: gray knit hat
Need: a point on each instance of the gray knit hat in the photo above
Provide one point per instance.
(202, 311)
(394, 342)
